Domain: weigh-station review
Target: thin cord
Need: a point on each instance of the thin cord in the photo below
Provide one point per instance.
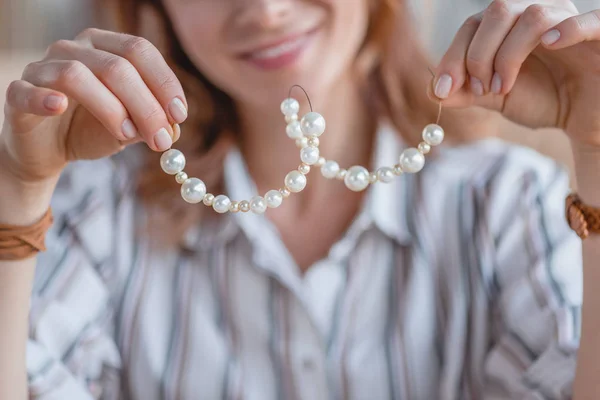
(298, 86)
(437, 122)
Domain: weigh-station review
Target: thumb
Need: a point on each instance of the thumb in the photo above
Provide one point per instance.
(457, 93)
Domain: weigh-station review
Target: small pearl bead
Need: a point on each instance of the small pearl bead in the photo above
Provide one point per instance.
(304, 169)
(373, 177)
(302, 143)
(293, 130)
(193, 190)
(290, 106)
(330, 169)
(273, 198)
(321, 162)
(433, 134)
(313, 124)
(295, 182)
(221, 204)
(357, 178)
(181, 177)
(285, 193)
(424, 148)
(385, 174)
(341, 174)
(313, 141)
(172, 161)
(244, 206)
(208, 199)
(234, 207)
(412, 160)
(291, 118)
(398, 170)
(309, 155)
(258, 205)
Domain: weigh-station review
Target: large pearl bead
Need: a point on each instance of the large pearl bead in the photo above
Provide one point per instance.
(258, 205)
(433, 135)
(293, 130)
(273, 198)
(412, 160)
(221, 204)
(309, 155)
(385, 174)
(193, 190)
(357, 178)
(172, 161)
(290, 107)
(313, 124)
(330, 169)
(295, 181)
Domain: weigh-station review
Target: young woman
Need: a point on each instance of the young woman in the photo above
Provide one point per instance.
(462, 281)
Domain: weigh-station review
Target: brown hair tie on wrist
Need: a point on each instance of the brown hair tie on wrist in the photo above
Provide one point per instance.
(22, 242)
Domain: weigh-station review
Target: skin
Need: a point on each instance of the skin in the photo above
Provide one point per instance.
(93, 76)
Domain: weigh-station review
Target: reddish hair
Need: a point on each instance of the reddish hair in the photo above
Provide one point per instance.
(391, 64)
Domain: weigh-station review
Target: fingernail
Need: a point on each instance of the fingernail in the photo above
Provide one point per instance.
(176, 132)
(53, 102)
(178, 111)
(476, 86)
(162, 140)
(497, 83)
(551, 37)
(443, 86)
(129, 130)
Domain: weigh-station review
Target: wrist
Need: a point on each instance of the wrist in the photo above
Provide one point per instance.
(24, 203)
(587, 170)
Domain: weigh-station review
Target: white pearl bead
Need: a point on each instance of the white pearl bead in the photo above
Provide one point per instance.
(172, 161)
(433, 134)
(412, 160)
(291, 118)
(273, 198)
(313, 124)
(385, 174)
(357, 178)
(208, 199)
(181, 177)
(293, 130)
(295, 182)
(309, 155)
(221, 204)
(424, 148)
(290, 107)
(330, 169)
(193, 190)
(258, 205)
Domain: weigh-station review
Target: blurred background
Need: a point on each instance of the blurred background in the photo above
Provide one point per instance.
(27, 27)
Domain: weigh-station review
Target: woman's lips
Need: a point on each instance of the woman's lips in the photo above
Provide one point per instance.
(279, 55)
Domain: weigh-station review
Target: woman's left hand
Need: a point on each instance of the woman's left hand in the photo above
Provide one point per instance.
(537, 62)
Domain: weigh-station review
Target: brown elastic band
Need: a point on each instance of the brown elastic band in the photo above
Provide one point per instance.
(22, 242)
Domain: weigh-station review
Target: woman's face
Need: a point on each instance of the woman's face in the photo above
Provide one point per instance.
(254, 50)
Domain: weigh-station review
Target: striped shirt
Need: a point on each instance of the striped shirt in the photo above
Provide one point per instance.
(460, 282)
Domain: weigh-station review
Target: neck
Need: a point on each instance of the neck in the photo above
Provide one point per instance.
(270, 154)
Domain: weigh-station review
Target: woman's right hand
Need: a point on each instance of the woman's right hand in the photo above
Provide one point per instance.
(87, 99)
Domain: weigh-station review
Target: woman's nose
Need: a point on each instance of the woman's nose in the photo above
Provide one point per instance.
(263, 13)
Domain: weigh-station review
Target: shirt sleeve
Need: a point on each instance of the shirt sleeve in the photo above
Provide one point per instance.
(537, 284)
(71, 352)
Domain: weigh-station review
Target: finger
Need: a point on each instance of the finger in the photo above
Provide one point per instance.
(498, 19)
(150, 64)
(76, 81)
(122, 79)
(24, 98)
(522, 40)
(451, 73)
(576, 29)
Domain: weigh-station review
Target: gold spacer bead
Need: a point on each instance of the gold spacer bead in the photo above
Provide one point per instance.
(285, 193)
(304, 169)
(244, 206)
(208, 199)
